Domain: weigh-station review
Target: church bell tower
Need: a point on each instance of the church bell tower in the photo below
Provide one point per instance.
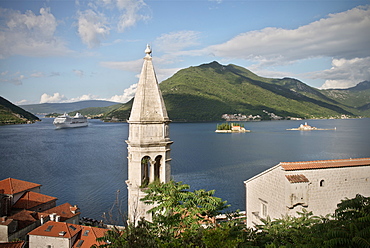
(148, 141)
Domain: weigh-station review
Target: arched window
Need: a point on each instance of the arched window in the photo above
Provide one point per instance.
(322, 183)
(157, 168)
(145, 171)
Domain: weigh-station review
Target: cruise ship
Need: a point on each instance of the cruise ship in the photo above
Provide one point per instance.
(66, 121)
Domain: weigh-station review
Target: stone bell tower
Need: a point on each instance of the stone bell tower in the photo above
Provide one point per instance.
(148, 141)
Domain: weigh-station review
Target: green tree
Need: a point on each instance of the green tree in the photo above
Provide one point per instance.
(176, 208)
(352, 224)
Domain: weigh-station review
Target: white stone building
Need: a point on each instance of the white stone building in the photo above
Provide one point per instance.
(316, 186)
(148, 142)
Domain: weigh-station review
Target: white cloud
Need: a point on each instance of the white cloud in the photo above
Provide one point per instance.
(29, 34)
(37, 75)
(56, 97)
(78, 73)
(15, 78)
(177, 41)
(131, 13)
(92, 27)
(344, 73)
(342, 35)
(84, 98)
(127, 95)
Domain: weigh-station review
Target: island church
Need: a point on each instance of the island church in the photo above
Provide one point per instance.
(148, 141)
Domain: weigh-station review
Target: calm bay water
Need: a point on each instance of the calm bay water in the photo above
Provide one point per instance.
(87, 166)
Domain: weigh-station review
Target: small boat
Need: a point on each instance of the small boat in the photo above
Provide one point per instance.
(66, 121)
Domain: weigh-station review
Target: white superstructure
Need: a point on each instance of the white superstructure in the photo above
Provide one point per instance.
(66, 121)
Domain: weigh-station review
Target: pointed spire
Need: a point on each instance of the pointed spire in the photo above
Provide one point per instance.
(148, 105)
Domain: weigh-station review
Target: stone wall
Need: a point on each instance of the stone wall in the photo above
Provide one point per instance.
(265, 195)
(270, 193)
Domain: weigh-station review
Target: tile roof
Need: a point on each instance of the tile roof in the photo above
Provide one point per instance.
(56, 229)
(26, 218)
(32, 199)
(65, 211)
(297, 178)
(88, 237)
(11, 186)
(323, 164)
(14, 244)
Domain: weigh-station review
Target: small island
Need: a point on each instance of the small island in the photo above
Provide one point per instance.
(231, 128)
(307, 127)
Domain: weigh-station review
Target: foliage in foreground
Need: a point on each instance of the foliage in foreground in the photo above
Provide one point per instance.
(186, 219)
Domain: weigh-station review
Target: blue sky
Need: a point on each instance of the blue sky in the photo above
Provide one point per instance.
(71, 50)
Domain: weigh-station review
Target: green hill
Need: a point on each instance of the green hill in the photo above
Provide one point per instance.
(206, 92)
(12, 114)
(357, 97)
(46, 108)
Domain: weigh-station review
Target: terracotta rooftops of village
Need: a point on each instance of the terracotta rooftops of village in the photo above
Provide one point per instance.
(65, 211)
(85, 235)
(25, 218)
(56, 229)
(88, 237)
(32, 199)
(297, 178)
(11, 186)
(323, 164)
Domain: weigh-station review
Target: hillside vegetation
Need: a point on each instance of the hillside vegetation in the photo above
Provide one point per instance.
(206, 92)
(12, 114)
(47, 108)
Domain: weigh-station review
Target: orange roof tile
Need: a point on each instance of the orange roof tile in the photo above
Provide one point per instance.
(64, 211)
(297, 178)
(56, 229)
(11, 186)
(32, 199)
(323, 164)
(14, 244)
(88, 237)
(26, 218)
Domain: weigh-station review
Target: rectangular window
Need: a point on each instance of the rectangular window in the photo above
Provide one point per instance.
(264, 209)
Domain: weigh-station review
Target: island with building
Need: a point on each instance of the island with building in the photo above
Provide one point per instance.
(231, 128)
(306, 127)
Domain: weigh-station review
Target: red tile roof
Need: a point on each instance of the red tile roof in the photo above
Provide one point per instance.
(15, 244)
(26, 218)
(32, 199)
(11, 186)
(57, 229)
(88, 237)
(65, 211)
(297, 178)
(323, 164)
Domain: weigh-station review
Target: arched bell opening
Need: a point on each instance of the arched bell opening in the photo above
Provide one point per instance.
(145, 171)
(157, 168)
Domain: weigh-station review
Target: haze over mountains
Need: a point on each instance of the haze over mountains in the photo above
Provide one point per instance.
(206, 92)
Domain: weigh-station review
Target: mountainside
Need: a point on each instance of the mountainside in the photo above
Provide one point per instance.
(12, 114)
(206, 92)
(357, 96)
(46, 108)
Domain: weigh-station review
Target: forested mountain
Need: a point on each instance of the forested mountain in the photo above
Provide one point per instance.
(206, 92)
(46, 108)
(12, 114)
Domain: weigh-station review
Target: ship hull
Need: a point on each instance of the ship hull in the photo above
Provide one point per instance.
(70, 125)
(65, 121)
